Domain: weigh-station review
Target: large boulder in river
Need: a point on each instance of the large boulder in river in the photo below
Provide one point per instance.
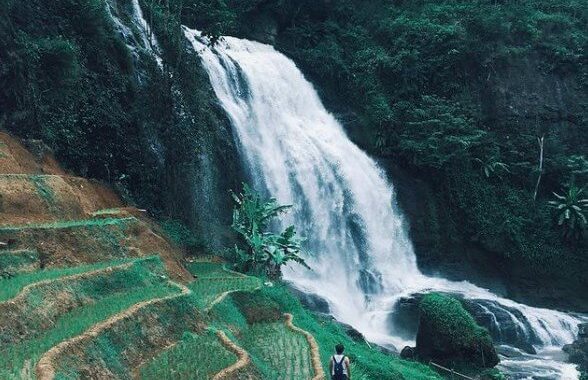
(449, 335)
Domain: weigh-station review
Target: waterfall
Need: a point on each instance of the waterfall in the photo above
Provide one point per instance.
(362, 260)
(143, 39)
(148, 37)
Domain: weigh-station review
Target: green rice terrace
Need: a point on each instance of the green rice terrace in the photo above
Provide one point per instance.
(92, 289)
(126, 319)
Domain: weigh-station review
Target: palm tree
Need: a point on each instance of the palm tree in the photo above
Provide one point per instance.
(570, 211)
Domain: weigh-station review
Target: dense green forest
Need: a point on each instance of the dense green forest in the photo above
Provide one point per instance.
(483, 102)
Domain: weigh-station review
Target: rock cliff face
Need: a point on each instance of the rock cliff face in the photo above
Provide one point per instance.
(524, 93)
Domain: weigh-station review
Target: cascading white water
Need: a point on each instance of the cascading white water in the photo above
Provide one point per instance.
(149, 40)
(145, 41)
(362, 259)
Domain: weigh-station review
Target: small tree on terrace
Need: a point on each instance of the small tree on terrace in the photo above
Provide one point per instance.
(262, 251)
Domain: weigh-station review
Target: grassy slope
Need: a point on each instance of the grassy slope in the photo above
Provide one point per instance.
(213, 280)
(368, 363)
(193, 357)
(252, 318)
(12, 262)
(16, 357)
(283, 351)
(10, 287)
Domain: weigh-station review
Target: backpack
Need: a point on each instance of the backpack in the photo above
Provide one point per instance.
(338, 368)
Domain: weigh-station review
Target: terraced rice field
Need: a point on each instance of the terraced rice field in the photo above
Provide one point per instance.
(41, 304)
(43, 325)
(213, 280)
(63, 224)
(15, 359)
(18, 261)
(12, 286)
(284, 352)
(194, 357)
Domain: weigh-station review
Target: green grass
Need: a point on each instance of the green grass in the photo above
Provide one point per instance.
(70, 224)
(276, 351)
(193, 357)
(43, 305)
(207, 290)
(45, 191)
(12, 262)
(123, 347)
(11, 287)
(207, 269)
(14, 357)
(367, 363)
(105, 211)
(285, 352)
(449, 335)
(456, 325)
(212, 280)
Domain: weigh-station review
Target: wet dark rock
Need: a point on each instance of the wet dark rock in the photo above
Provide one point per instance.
(506, 325)
(388, 350)
(312, 301)
(583, 330)
(403, 321)
(578, 351)
(510, 352)
(352, 332)
(408, 353)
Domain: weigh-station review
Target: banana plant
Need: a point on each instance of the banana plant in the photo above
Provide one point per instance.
(262, 251)
(570, 212)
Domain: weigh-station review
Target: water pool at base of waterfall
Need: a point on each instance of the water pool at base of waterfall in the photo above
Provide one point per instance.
(363, 261)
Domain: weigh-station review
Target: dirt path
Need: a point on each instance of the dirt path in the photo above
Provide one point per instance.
(45, 369)
(78, 276)
(315, 357)
(242, 355)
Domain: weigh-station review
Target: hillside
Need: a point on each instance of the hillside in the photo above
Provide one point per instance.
(92, 289)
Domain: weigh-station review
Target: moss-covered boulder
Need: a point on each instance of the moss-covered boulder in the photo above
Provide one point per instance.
(449, 335)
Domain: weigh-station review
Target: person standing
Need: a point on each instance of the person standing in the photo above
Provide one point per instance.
(339, 365)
